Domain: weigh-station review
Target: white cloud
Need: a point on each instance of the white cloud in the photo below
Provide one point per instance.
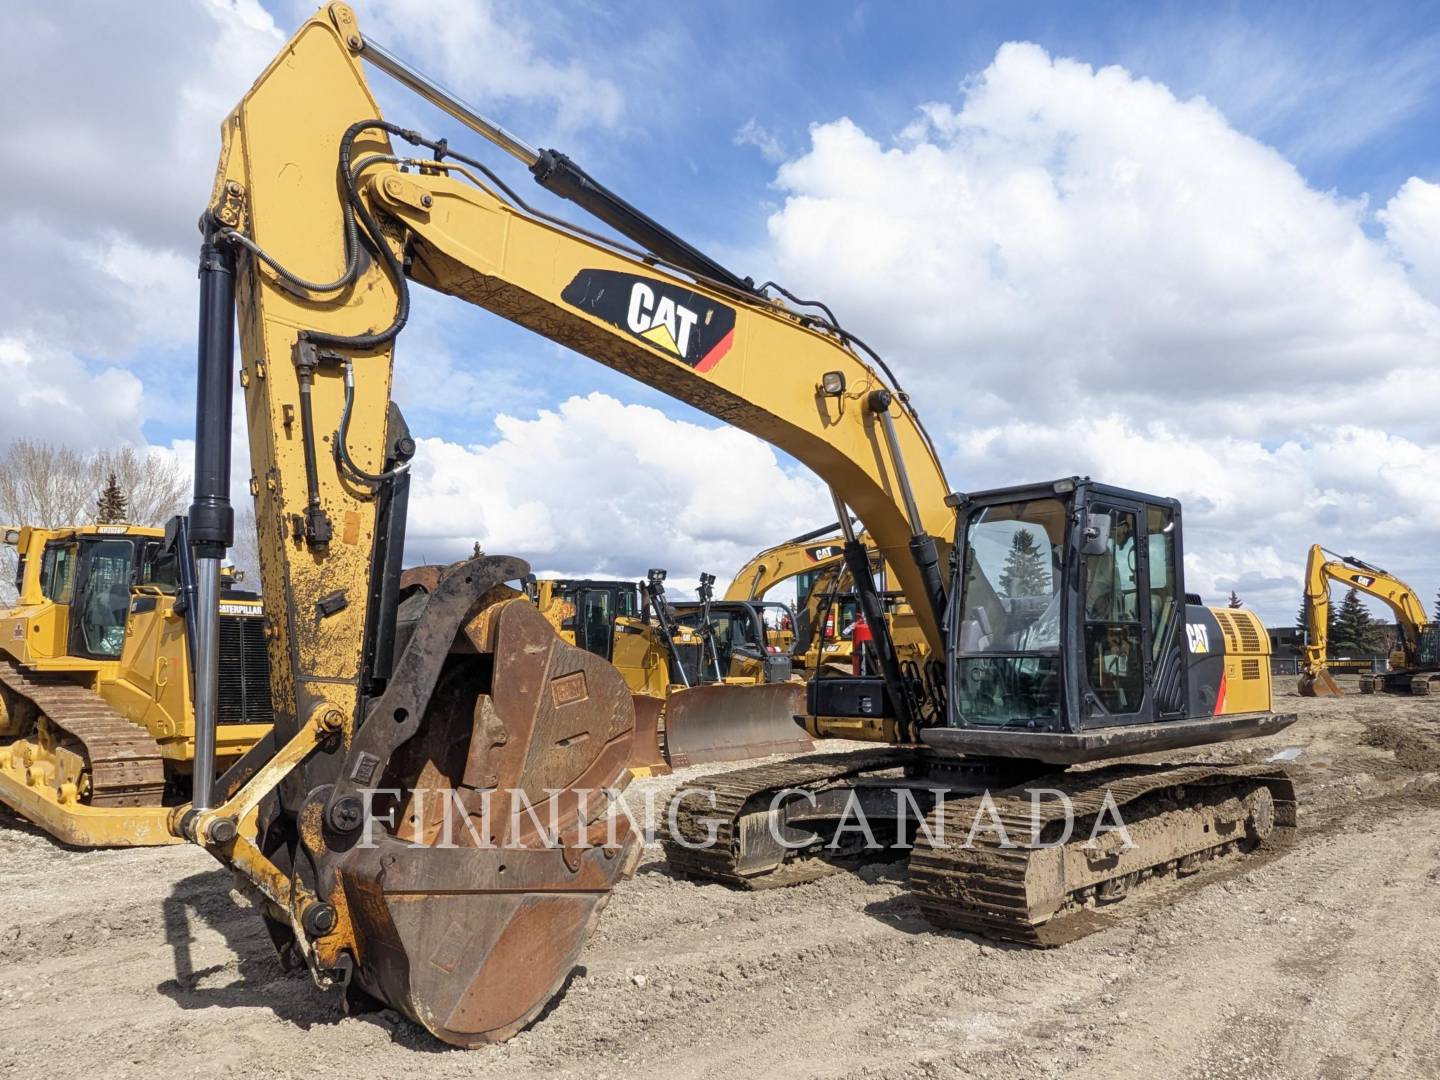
(1412, 225)
(1076, 271)
(51, 397)
(753, 133)
(487, 53)
(600, 486)
(1251, 512)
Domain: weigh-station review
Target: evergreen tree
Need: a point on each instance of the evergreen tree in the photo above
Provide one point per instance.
(1356, 631)
(1024, 573)
(1235, 599)
(112, 506)
(1436, 615)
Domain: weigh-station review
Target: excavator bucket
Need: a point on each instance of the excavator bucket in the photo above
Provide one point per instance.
(1319, 683)
(485, 778)
(726, 722)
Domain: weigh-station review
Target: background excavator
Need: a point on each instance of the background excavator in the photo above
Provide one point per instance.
(1414, 664)
(1084, 649)
(707, 685)
(97, 734)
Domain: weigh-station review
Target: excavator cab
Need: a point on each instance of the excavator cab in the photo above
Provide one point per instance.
(1071, 636)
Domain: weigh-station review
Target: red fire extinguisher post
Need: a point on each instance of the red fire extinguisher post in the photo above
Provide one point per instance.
(860, 636)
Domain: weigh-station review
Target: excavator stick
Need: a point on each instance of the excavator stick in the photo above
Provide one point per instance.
(1319, 683)
(727, 722)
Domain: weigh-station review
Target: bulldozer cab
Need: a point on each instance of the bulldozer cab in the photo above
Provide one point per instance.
(741, 636)
(87, 576)
(587, 610)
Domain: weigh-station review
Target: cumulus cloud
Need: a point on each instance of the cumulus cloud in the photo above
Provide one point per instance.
(50, 396)
(488, 53)
(1079, 272)
(1067, 229)
(597, 486)
(1412, 225)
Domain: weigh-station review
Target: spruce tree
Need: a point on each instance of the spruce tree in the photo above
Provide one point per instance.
(1436, 614)
(1235, 599)
(1355, 630)
(112, 506)
(1024, 573)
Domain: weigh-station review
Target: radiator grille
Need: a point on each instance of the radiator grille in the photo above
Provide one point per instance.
(1227, 627)
(1249, 636)
(244, 671)
(1249, 669)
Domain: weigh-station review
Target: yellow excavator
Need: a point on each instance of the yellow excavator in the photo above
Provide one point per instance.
(707, 686)
(96, 718)
(1414, 664)
(1062, 635)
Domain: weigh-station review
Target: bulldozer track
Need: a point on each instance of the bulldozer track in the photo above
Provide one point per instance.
(123, 761)
(732, 792)
(990, 885)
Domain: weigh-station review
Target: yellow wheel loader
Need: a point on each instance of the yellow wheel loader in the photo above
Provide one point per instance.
(391, 709)
(1414, 664)
(97, 734)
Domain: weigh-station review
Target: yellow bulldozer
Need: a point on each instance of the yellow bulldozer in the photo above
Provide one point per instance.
(708, 684)
(1059, 633)
(97, 733)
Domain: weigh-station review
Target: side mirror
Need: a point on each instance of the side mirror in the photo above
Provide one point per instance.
(1097, 534)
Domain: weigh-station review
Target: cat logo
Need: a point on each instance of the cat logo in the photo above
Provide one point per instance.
(1199, 637)
(685, 325)
(824, 551)
(1365, 580)
(661, 322)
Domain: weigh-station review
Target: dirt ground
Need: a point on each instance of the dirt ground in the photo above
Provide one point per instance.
(1321, 962)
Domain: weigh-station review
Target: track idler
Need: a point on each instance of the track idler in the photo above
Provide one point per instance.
(466, 848)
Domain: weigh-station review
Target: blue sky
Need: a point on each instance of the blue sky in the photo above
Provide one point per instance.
(1077, 268)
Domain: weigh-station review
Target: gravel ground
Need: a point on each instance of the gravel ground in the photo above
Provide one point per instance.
(1321, 962)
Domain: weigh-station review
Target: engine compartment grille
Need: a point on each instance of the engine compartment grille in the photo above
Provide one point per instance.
(244, 671)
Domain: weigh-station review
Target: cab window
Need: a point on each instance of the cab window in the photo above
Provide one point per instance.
(107, 598)
(1160, 526)
(57, 573)
(1112, 613)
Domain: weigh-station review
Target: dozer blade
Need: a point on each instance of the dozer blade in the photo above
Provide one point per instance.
(1319, 684)
(484, 850)
(732, 723)
(647, 753)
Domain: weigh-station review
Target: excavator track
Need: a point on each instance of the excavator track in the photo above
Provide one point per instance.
(1019, 882)
(737, 806)
(122, 760)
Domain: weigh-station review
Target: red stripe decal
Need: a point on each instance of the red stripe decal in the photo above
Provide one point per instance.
(711, 358)
(1220, 696)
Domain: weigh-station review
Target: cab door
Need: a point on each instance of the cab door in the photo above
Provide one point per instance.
(101, 602)
(595, 620)
(1117, 654)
